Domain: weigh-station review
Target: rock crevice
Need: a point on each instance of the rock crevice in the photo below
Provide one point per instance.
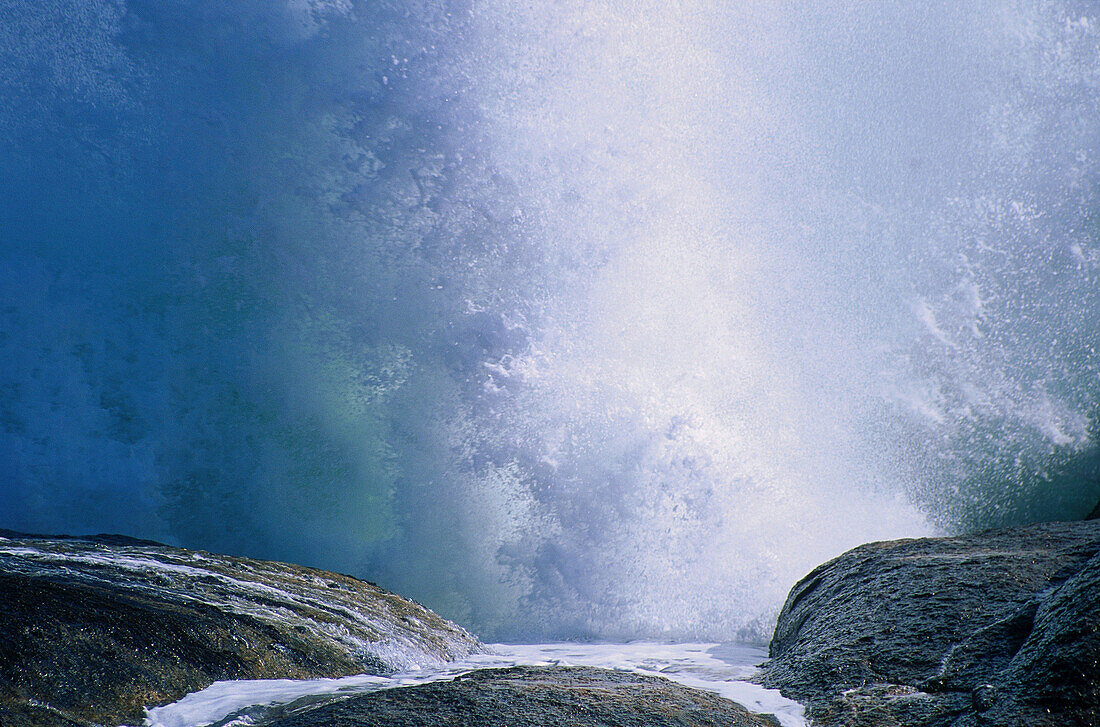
(995, 628)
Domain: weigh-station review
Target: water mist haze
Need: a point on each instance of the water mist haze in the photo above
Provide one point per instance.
(598, 319)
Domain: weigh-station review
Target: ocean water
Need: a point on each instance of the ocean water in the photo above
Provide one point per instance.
(591, 319)
(718, 668)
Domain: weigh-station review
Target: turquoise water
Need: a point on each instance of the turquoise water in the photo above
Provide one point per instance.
(571, 320)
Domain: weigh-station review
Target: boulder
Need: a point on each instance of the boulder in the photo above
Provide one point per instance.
(93, 630)
(995, 628)
(529, 696)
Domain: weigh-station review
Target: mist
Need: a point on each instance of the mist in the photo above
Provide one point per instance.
(593, 320)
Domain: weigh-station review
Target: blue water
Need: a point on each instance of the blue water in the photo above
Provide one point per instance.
(596, 319)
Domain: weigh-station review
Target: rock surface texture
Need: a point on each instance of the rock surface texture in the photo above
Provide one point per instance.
(1000, 628)
(530, 696)
(92, 630)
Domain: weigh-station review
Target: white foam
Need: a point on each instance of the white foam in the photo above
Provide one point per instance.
(718, 668)
(222, 699)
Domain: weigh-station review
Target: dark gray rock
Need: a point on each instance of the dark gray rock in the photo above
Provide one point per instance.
(530, 697)
(996, 628)
(94, 630)
(1054, 679)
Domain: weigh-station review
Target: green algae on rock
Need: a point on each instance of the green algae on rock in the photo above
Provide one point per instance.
(93, 630)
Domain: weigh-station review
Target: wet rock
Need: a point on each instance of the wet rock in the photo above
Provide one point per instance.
(1054, 679)
(93, 630)
(530, 697)
(995, 628)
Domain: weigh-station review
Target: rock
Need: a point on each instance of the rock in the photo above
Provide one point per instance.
(93, 630)
(1054, 679)
(529, 696)
(995, 628)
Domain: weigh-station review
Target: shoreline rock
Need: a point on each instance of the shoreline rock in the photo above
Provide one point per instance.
(529, 696)
(995, 628)
(93, 630)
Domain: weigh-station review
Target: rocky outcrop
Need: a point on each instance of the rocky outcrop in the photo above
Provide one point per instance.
(93, 630)
(996, 628)
(529, 696)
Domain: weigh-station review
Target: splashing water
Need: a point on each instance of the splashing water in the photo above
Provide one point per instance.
(723, 669)
(594, 319)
